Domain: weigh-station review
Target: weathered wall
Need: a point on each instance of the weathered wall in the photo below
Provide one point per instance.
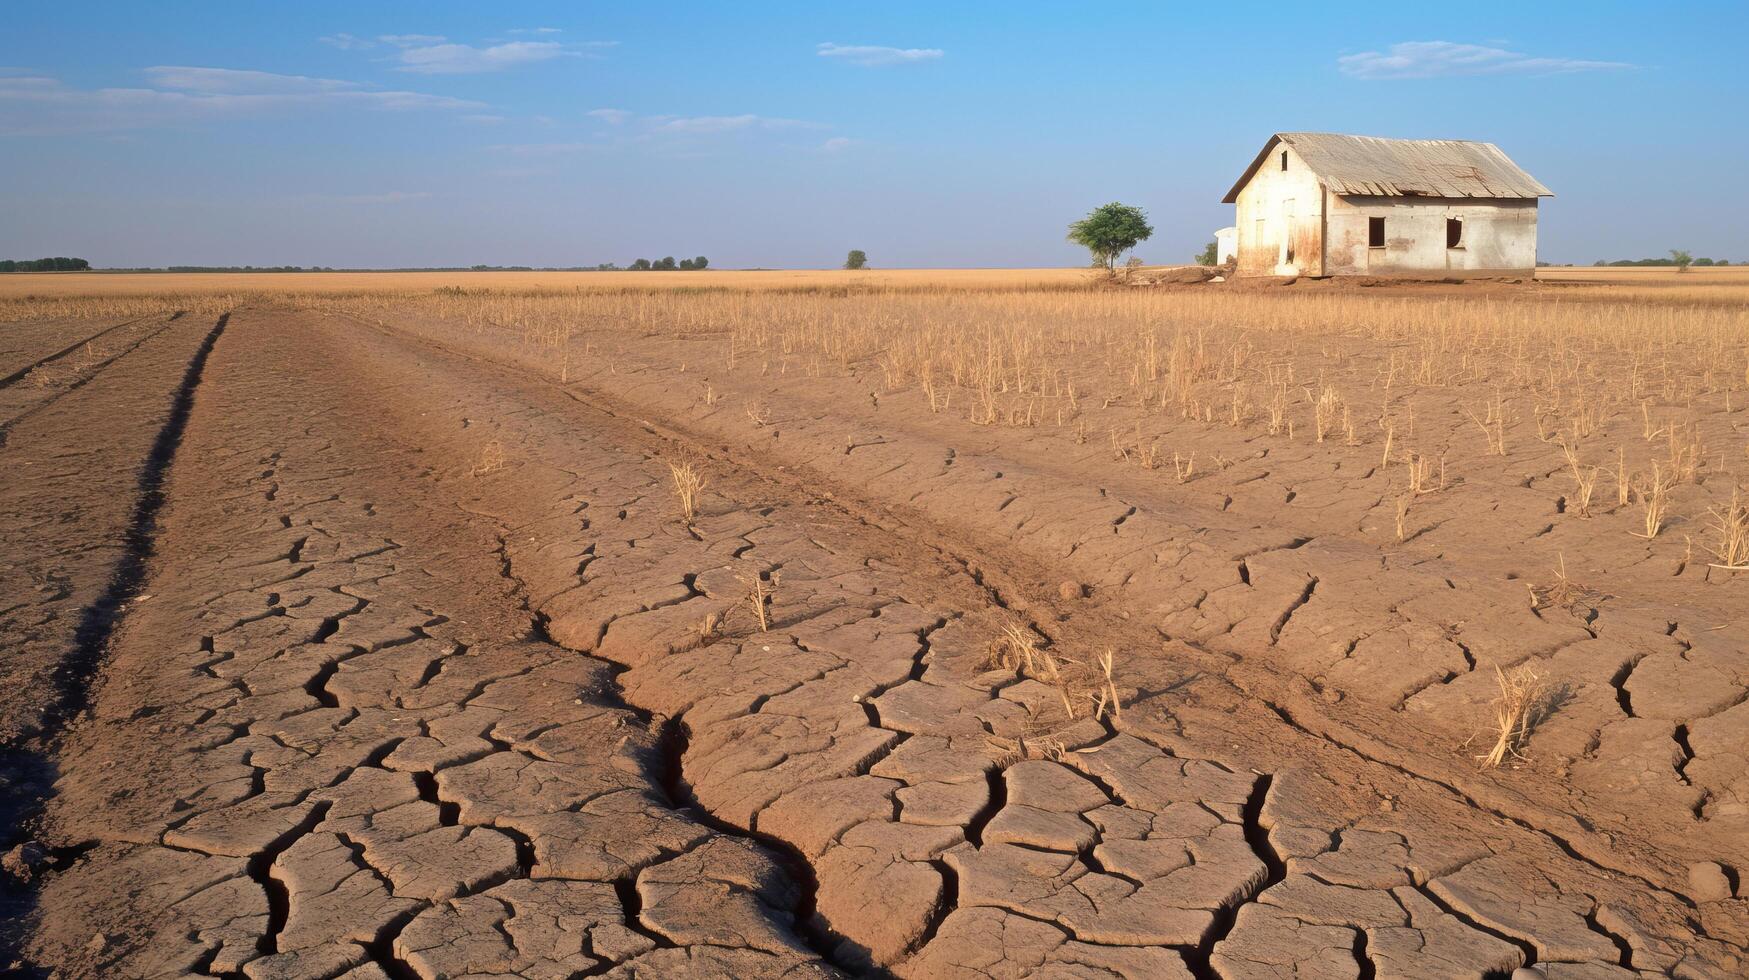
(1499, 236)
(1279, 208)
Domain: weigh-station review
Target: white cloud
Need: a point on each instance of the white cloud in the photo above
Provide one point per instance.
(535, 30)
(613, 117)
(21, 86)
(411, 40)
(346, 42)
(233, 81)
(459, 59)
(1437, 59)
(183, 95)
(875, 56)
(725, 124)
(836, 144)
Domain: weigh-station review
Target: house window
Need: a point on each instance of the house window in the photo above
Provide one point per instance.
(1375, 233)
(1454, 233)
(1284, 161)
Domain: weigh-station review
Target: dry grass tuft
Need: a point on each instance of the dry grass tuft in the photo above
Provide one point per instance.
(1730, 527)
(759, 597)
(1655, 495)
(1106, 700)
(1521, 705)
(1016, 648)
(688, 484)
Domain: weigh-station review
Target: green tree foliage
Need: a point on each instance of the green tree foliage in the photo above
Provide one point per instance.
(1681, 258)
(1210, 254)
(1109, 231)
(857, 259)
(57, 264)
(668, 264)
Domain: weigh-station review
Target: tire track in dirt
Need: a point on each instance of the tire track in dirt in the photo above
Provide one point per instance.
(82, 376)
(26, 764)
(67, 351)
(304, 760)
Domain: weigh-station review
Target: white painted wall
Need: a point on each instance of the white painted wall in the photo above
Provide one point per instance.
(1498, 236)
(1276, 209)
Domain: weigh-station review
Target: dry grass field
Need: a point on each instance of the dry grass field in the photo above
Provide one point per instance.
(915, 623)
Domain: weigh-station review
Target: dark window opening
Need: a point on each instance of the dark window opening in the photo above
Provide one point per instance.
(1454, 232)
(1375, 232)
(1284, 160)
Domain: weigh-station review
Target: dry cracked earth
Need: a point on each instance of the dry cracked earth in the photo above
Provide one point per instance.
(347, 649)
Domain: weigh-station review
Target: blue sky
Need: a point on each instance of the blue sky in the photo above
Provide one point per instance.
(784, 134)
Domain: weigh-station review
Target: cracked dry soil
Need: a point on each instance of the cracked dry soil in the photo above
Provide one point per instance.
(300, 688)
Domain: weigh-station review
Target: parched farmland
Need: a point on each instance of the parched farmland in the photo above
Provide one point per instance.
(907, 624)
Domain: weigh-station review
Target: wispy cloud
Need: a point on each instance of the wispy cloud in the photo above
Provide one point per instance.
(182, 95)
(411, 40)
(1440, 59)
(726, 124)
(235, 81)
(535, 30)
(837, 144)
(613, 117)
(875, 56)
(346, 42)
(465, 59)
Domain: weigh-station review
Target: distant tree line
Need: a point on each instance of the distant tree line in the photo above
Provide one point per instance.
(246, 268)
(1679, 260)
(58, 264)
(667, 264)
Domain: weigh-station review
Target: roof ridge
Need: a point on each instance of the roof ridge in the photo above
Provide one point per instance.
(1373, 166)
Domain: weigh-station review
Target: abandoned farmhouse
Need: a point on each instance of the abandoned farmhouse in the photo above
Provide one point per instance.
(1322, 204)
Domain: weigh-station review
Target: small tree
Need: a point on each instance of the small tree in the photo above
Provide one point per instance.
(1109, 231)
(700, 262)
(1681, 258)
(857, 259)
(641, 265)
(1210, 254)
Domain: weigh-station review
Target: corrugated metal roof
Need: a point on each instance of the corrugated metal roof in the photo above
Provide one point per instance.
(1372, 165)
